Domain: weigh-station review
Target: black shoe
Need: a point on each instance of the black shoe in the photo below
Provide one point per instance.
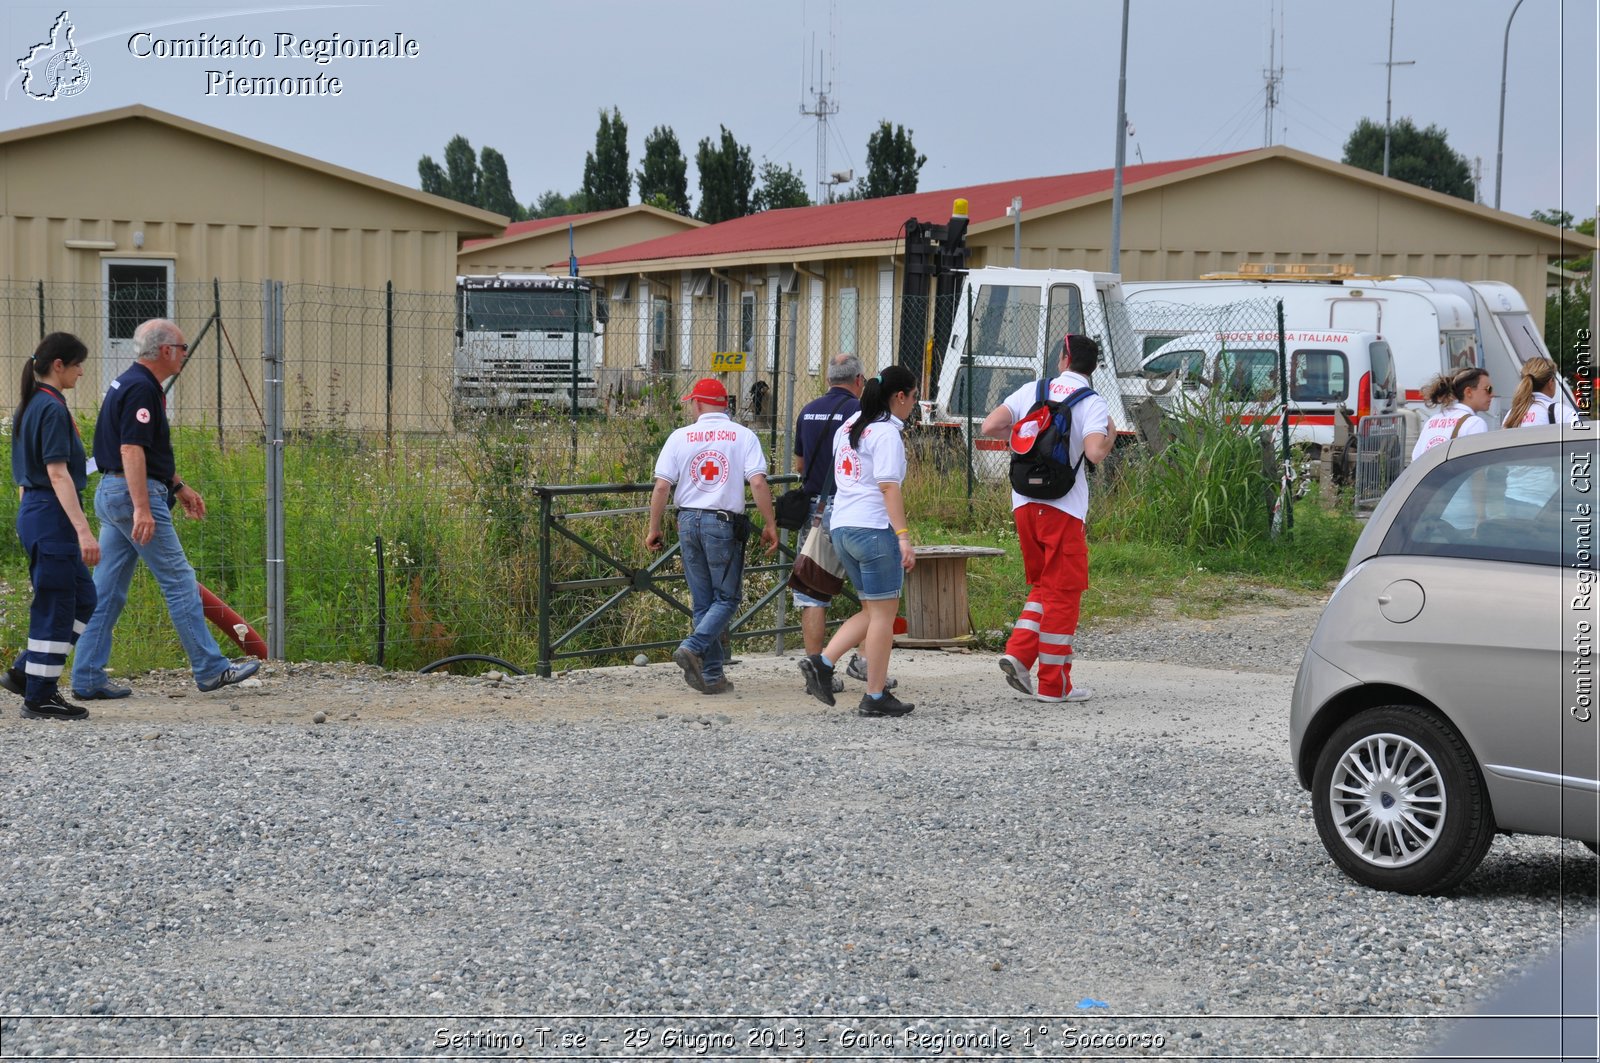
(690, 662)
(857, 669)
(819, 678)
(14, 681)
(54, 707)
(236, 672)
(109, 692)
(888, 705)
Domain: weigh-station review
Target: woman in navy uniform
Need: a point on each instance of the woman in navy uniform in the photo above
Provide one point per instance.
(47, 462)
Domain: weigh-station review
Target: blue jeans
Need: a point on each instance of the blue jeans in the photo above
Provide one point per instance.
(165, 558)
(713, 565)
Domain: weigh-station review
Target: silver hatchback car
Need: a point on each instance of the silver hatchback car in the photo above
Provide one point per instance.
(1448, 692)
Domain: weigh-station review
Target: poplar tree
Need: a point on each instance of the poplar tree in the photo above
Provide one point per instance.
(606, 182)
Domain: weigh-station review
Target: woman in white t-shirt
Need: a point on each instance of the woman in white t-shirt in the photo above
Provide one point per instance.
(869, 531)
(1530, 486)
(1535, 401)
(1460, 398)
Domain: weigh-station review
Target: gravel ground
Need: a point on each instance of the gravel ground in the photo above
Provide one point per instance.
(448, 866)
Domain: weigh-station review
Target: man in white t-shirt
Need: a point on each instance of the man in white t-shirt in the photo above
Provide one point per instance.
(1055, 553)
(705, 466)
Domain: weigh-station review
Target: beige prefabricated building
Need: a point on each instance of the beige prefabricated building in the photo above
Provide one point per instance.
(1268, 205)
(541, 245)
(120, 215)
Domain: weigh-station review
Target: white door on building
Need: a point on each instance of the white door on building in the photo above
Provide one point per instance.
(134, 290)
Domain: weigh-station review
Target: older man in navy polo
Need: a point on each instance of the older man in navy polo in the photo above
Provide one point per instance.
(138, 483)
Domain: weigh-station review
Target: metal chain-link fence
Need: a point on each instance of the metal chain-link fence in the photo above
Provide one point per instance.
(405, 515)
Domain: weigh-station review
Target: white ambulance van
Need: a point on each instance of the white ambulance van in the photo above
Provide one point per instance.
(1427, 331)
(1329, 369)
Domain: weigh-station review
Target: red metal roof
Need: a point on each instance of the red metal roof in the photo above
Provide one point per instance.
(868, 220)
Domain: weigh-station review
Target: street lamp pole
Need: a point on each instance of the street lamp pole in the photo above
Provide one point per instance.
(1122, 149)
(1500, 147)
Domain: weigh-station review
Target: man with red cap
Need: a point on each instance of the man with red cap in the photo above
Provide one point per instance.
(705, 466)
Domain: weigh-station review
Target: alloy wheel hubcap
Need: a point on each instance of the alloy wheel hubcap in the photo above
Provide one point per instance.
(1388, 800)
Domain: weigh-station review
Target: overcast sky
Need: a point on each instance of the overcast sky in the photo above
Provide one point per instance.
(992, 91)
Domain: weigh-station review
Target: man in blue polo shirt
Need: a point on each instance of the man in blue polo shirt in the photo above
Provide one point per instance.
(813, 453)
(138, 483)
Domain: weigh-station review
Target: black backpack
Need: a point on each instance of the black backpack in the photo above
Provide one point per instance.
(1040, 465)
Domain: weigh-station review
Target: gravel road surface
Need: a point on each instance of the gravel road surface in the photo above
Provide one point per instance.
(609, 864)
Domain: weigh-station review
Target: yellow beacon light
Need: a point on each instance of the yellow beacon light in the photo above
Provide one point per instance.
(959, 210)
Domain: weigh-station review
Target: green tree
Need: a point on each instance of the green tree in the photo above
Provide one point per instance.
(726, 178)
(1562, 219)
(555, 205)
(664, 181)
(1421, 157)
(432, 175)
(481, 181)
(494, 185)
(892, 163)
(606, 183)
(1565, 313)
(461, 171)
(780, 188)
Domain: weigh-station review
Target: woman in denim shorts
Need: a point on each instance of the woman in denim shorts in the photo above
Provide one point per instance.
(872, 538)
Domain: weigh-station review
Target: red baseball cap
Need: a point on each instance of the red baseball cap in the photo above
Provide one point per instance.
(708, 390)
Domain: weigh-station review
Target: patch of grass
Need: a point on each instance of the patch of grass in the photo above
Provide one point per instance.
(460, 530)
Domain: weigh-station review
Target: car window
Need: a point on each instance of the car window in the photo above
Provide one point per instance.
(1249, 375)
(1319, 376)
(1501, 505)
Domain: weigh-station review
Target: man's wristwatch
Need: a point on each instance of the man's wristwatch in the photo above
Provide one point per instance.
(177, 486)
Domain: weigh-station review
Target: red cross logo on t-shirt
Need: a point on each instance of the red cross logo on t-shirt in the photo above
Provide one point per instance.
(848, 466)
(710, 469)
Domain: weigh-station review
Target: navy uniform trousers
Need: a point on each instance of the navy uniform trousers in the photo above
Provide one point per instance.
(63, 590)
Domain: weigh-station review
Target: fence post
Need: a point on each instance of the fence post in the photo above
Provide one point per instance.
(41, 310)
(1283, 393)
(388, 364)
(216, 310)
(543, 664)
(273, 376)
(966, 378)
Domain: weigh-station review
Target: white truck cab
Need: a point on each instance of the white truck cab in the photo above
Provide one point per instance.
(525, 338)
(1016, 319)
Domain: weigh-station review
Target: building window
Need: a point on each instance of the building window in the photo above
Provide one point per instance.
(847, 321)
(747, 323)
(722, 315)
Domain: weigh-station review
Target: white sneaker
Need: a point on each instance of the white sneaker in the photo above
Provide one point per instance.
(1016, 674)
(1075, 694)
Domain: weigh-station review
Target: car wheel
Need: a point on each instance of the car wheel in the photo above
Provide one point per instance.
(1400, 803)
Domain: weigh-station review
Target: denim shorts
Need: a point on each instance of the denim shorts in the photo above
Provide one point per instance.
(871, 558)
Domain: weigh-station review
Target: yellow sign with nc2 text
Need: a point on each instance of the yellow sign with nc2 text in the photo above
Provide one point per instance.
(727, 361)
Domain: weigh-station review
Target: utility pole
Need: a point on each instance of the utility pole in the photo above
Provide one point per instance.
(1122, 148)
(1274, 76)
(1388, 101)
(823, 106)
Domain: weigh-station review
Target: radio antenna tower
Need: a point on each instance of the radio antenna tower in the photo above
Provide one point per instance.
(822, 106)
(1273, 73)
